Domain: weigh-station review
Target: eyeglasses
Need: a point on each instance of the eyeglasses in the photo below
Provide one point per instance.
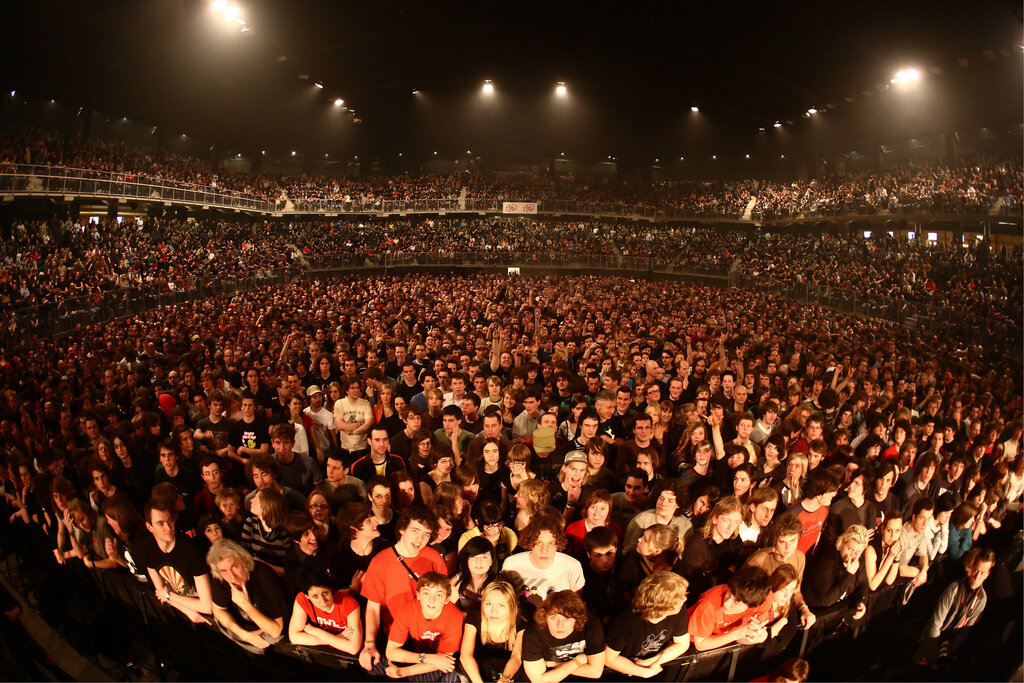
(318, 506)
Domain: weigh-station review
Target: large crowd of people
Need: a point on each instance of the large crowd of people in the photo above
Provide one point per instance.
(969, 187)
(510, 478)
(70, 265)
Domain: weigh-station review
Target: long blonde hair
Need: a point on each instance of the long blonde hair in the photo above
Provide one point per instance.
(508, 634)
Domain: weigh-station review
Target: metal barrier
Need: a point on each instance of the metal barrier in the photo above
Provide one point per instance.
(31, 181)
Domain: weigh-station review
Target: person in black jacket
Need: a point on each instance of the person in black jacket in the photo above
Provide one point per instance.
(837, 574)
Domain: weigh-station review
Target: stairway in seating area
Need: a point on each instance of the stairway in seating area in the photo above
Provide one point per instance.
(747, 212)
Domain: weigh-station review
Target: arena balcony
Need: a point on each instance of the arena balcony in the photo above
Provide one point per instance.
(63, 184)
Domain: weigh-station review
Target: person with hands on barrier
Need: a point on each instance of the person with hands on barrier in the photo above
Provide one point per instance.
(425, 635)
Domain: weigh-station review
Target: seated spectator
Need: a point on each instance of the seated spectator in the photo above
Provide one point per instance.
(492, 638)
(726, 613)
(425, 635)
(563, 641)
(322, 615)
(655, 631)
(249, 602)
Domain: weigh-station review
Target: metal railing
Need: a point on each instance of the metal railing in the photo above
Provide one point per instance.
(38, 180)
(29, 180)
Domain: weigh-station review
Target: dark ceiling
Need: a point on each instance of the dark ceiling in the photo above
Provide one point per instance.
(633, 71)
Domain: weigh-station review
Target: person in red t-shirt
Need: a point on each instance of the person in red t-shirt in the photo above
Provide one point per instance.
(425, 635)
(812, 510)
(392, 575)
(324, 616)
(726, 613)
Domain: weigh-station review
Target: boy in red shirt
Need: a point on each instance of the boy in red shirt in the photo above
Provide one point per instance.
(393, 573)
(725, 614)
(425, 635)
(812, 510)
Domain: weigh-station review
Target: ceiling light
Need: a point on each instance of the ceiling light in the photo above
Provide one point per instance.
(488, 88)
(561, 90)
(747, 156)
(319, 85)
(293, 152)
(694, 108)
(230, 12)
(778, 124)
(812, 110)
(338, 102)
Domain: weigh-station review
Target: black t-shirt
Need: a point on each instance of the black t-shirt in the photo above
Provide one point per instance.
(346, 562)
(540, 645)
(637, 638)
(250, 434)
(265, 592)
(177, 568)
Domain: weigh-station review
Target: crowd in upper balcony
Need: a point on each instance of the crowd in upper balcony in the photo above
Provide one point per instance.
(975, 187)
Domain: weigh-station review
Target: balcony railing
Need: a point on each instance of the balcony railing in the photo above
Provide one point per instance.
(51, 181)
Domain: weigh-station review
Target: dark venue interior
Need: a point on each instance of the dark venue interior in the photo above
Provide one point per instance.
(471, 342)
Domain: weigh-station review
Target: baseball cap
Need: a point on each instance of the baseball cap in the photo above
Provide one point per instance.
(575, 456)
(313, 389)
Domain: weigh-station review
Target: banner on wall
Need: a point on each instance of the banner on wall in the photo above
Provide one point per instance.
(519, 207)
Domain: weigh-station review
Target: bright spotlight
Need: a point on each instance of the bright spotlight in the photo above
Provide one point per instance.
(293, 152)
(561, 90)
(695, 108)
(231, 12)
(319, 85)
(488, 88)
(778, 124)
(747, 156)
(812, 110)
(219, 4)
(906, 76)
(415, 92)
(338, 102)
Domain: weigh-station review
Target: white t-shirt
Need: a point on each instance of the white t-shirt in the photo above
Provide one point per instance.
(565, 573)
(325, 419)
(352, 412)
